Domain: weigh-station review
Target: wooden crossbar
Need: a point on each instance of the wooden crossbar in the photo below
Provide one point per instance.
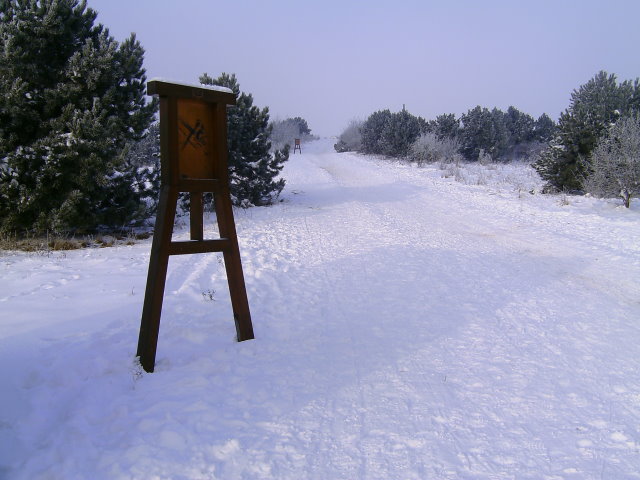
(198, 185)
(199, 246)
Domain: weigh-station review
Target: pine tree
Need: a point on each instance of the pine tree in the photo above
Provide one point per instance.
(253, 171)
(302, 125)
(594, 107)
(390, 134)
(519, 125)
(372, 129)
(144, 156)
(399, 133)
(483, 130)
(544, 129)
(446, 126)
(72, 97)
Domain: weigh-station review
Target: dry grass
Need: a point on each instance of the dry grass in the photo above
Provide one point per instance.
(52, 243)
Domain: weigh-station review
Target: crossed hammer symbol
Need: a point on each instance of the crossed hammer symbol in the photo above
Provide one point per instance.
(195, 135)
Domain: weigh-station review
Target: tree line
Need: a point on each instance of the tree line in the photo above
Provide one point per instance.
(502, 135)
(593, 148)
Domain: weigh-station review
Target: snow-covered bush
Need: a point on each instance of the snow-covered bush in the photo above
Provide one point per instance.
(484, 158)
(400, 132)
(371, 131)
(391, 134)
(350, 140)
(428, 148)
(615, 162)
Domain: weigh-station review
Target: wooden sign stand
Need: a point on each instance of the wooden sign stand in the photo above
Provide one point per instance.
(193, 146)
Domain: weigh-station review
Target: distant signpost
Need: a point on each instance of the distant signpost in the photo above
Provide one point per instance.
(193, 146)
(296, 145)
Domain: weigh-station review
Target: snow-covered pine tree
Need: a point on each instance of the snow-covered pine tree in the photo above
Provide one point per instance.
(372, 129)
(144, 156)
(399, 133)
(445, 126)
(519, 125)
(544, 129)
(253, 171)
(594, 107)
(302, 124)
(390, 134)
(485, 130)
(71, 99)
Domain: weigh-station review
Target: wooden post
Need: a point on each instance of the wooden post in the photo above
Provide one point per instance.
(196, 214)
(193, 146)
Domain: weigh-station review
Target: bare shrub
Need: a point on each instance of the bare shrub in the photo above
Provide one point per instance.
(484, 158)
(615, 162)
(350, 140)
(428, 148)
(482, 179)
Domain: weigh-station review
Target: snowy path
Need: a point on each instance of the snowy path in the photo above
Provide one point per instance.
(407, 326)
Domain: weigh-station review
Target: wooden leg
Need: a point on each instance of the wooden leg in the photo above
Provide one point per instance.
(196, 216)
(156, 279)
(233, 266)
(239, 302)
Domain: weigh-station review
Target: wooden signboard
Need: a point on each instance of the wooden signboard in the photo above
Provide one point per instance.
(195, 127)
(193, 149)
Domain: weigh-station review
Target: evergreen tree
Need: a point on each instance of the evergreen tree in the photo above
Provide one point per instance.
(253, 171)
(483, 130)
(303, 126)
(144, 156)
(593, 108)
(371, 131)
(72, 97)
(399, 133)
(544, 129)
(519, 125)
(446, 126)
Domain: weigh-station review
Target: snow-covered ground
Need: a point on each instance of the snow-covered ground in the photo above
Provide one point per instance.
(408, 326)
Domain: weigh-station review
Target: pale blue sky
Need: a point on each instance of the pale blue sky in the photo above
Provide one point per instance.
(333, 60)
